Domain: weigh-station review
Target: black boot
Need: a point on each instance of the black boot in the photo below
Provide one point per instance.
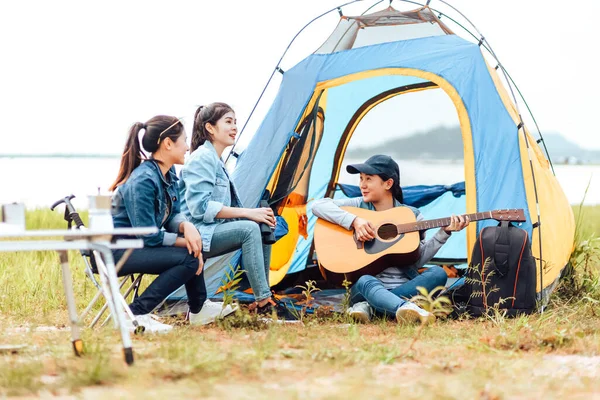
(278, 308)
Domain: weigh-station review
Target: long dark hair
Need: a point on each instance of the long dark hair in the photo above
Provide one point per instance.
(157, 129)
(395, 189)
(211, 114)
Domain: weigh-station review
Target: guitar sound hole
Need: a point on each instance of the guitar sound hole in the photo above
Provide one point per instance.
(387, 231)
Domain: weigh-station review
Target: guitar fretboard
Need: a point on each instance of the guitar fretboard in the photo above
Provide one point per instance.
(440, 222)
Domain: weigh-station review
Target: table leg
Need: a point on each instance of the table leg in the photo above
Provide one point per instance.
(73, 318)
(106, 291)
(111, 273)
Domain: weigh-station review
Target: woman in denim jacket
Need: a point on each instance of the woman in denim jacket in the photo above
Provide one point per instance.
(210, 201)
(146, 195)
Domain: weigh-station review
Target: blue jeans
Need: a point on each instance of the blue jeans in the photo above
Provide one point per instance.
(256, 257)
(384, 301)
(174, 267)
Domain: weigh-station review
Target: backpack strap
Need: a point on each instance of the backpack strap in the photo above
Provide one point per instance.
(501, 249)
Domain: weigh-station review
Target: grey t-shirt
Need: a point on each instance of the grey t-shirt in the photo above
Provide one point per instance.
(329, 210)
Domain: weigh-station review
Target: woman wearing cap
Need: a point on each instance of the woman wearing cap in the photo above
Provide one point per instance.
(388, 292)
(146, 195)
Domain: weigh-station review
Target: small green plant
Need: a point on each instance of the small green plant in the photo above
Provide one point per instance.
(440, 306)
(481, 279)
(298, 314)
(321, 313)
(346, 300)
(230, 284)
(581, 276)
(307, 290)
(241, 318)
(432, 302)
(494, 312)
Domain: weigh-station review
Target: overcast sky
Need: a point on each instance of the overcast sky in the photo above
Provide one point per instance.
(76, 74)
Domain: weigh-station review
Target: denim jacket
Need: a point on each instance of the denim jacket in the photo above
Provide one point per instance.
(143, 201)
(330, 210)
(204, 190)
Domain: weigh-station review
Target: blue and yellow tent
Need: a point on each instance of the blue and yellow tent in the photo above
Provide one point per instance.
(297, 151)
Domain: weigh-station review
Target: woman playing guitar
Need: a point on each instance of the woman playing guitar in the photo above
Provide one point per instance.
(387, 293)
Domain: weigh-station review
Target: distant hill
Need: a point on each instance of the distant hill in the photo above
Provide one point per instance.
(446, 143)
(561, 149)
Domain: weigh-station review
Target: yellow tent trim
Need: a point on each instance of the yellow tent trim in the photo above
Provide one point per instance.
(558, 226)
(283, 249)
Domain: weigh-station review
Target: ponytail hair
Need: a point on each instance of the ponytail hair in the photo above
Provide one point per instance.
(156, 130)
(206, 114)
(397, 192)
(396, 189)
(198, 132)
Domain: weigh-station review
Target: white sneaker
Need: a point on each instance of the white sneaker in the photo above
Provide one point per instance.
(410, 312)
(210, 312)
(150, 323)
(361, 312)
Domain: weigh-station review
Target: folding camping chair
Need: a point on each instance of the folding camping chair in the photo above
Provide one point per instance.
(94, 264)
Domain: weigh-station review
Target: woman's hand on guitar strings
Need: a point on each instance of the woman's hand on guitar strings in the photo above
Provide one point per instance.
(458, 223)
(363, 229)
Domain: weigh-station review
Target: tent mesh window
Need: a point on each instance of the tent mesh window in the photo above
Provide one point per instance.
(353, 123)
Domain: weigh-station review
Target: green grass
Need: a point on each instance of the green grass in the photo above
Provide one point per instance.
(554, 355)
(456, 359)
(32, 282)
(590, 216)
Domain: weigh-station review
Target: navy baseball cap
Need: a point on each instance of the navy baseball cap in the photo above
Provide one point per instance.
(376, 165)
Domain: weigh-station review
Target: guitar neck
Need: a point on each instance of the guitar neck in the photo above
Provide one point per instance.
(440, 222)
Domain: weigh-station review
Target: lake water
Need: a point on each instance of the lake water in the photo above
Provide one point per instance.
(38, 182)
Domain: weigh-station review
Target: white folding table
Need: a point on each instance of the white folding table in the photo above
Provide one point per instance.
(98, 241)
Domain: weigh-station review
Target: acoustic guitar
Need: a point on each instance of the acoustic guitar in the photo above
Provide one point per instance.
(342, 256)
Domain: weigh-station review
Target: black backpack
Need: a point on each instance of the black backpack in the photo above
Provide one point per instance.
(502, 260)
